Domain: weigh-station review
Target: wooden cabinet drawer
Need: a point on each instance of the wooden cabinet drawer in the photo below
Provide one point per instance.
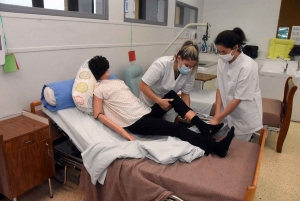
(42, 134)
(26, 140)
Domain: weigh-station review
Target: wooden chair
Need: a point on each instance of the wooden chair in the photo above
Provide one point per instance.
(277, 114)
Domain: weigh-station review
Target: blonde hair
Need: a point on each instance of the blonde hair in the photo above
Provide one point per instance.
(189, 50)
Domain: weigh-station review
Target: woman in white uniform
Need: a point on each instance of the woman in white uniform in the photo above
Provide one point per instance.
(167, 73)
(238, 96)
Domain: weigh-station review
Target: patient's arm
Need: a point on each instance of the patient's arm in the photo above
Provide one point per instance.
(98, 114)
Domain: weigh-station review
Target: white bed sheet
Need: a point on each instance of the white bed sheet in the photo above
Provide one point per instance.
(84, 130)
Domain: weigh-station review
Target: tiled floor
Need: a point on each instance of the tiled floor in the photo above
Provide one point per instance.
(279, 177)
(61, 192)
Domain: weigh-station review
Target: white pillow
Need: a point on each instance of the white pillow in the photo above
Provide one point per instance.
(82, 91)
(49, 96)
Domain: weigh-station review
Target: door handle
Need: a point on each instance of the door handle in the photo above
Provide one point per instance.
(27, 142)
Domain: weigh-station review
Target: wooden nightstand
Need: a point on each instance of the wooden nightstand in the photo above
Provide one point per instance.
(26, 154)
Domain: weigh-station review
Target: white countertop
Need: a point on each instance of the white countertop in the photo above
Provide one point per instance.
(213, 69)
(275, 68)
(267, 67)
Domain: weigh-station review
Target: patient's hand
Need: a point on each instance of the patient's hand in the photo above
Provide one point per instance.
(131, 138)
(125, 134)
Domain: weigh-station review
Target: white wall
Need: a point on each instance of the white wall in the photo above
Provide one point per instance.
(50, 48)
(257, 18)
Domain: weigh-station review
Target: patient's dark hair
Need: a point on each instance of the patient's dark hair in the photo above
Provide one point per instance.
(230, 38)
(98, 65)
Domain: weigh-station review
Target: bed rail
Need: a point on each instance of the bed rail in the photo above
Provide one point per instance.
(250, 193)
(33, 105)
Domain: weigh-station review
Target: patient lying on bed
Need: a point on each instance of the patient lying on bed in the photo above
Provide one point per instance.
(118, 108)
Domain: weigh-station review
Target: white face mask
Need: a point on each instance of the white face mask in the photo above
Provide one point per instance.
(227, 57)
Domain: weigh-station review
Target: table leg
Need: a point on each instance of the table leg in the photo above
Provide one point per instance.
(50, 188)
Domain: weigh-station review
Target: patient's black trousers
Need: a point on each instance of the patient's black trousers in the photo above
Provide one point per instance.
(153, 124)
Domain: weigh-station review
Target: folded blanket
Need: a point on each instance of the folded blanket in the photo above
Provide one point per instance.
(97, 157)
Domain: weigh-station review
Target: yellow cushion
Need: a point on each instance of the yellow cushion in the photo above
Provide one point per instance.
(280, 47)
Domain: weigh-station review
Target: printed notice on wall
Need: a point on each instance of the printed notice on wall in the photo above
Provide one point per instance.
(295, 35)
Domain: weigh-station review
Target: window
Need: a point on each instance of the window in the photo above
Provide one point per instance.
(27, 3)
(126, 6)
(70, 8)
(146, 11)
(185, 14)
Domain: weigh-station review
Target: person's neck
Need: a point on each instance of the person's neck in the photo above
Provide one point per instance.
(235, 56)
(175, 67)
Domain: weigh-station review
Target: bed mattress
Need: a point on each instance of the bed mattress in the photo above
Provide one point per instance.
(84, 130)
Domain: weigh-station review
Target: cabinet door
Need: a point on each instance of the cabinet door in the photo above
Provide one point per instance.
(30, 166)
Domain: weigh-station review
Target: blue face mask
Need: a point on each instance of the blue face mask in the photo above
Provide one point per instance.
(184, 70)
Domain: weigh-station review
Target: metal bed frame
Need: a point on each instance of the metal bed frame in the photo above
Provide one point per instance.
(61, 158)
(66, 161)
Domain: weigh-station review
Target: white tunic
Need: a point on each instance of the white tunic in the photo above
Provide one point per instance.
(240, 80)
(160, 78)
(119, 104)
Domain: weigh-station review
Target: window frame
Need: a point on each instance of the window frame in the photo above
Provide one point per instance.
(147, 21)
(181, 4)
(52, 12)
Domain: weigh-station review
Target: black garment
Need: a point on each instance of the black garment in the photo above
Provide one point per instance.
(153, 124)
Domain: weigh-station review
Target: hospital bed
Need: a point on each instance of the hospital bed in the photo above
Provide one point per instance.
(208, 178)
